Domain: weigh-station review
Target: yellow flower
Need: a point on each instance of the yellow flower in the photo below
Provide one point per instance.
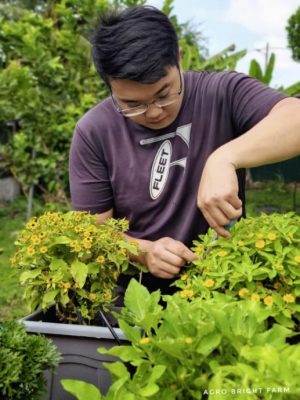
(198, 250)
(255, 297)
(272, 236)
(186, 294)
(260, 235)
(107, 295)
(189, 340)
(77, 229)
(144, 340)
(222, 253)
(116, 274)
(260, 244)
(35, 239)
(208, 283)
(268, 300)
(288, 298)
(243, 292)
(31, 225)
(290, 235)
(43, 249)
(100, 259)
(279, 266)
(241, 243)
(87, 244)
(92, 296)
(30, 250)
(86, 233)
(297, 259)
(77, 248)
(184, 277)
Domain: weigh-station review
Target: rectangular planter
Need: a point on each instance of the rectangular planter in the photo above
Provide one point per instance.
(78, 345)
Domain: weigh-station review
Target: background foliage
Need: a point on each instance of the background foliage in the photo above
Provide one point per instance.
(293, 29)
(47, 80)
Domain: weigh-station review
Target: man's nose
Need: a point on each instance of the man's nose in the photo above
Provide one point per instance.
(153, 111)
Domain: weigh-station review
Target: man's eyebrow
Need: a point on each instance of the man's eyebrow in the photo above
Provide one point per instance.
(165, 86)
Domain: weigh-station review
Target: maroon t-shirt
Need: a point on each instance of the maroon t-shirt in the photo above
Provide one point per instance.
(151, 177)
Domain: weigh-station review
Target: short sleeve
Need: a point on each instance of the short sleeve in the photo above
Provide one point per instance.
(89, 178)
(250, 101)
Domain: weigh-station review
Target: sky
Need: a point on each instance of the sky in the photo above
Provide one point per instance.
(249, 24)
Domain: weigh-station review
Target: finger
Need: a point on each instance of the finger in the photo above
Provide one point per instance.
(230, 212)
(169, 269)
(173, 259)
(236, 202)
(220, 229)
(180, 250)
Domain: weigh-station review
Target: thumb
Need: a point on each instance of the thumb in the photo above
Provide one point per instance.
(188, 255)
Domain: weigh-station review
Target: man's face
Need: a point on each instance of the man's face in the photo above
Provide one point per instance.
(129, 94)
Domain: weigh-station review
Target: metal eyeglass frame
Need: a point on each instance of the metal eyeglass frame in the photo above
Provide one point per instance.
(135, 111)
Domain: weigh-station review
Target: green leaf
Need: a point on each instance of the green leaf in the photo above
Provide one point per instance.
(136, 297)
(29, 275)
(79, 272)
(118, 369)
(58, 263)
(208, 343)
(81, 390)
(61, 240)
(125, 353)
(49, 297)
(149, 390)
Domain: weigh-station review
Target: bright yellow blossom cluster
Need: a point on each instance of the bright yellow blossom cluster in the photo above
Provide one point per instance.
(75, 258)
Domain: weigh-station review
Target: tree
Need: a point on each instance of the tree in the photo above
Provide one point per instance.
(293, 29)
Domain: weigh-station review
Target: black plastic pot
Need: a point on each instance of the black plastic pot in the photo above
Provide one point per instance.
(78, 345)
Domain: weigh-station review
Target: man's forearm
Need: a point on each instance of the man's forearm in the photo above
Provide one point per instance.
(275, 138)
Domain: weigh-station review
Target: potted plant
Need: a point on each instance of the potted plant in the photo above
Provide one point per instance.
(260, 262)
(72, 261)
(224, 333)
(23, 360)
(220, 348)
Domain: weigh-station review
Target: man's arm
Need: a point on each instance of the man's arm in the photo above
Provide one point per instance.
(275, 138)
(163, 257)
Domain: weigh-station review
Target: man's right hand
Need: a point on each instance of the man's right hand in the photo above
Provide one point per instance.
(165, 257)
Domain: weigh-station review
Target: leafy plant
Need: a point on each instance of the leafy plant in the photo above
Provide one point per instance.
(192, 349)
(261, 262)
(257, 72)
(70, 259)
(293, 30)
(23, 359)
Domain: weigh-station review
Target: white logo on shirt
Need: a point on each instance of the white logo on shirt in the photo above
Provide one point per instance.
(162, 161)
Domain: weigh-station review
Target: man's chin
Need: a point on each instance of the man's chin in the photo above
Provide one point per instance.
(158, 125)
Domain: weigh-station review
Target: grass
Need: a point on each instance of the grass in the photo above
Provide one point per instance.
(275, 197)
(12, 219)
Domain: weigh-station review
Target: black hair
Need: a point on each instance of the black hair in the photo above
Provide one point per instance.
(138, 44)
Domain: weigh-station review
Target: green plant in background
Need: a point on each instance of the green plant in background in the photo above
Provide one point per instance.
(47, 82)
(293, 30)
(71, 259)
(257, 72)
(192, 349)
(261, 262)
(23, 360)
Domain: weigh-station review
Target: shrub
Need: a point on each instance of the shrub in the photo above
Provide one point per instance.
(23, 359)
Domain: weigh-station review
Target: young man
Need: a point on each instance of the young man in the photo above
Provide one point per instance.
(168, 148)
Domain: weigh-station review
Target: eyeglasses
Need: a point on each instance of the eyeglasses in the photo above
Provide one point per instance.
(142, 108)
